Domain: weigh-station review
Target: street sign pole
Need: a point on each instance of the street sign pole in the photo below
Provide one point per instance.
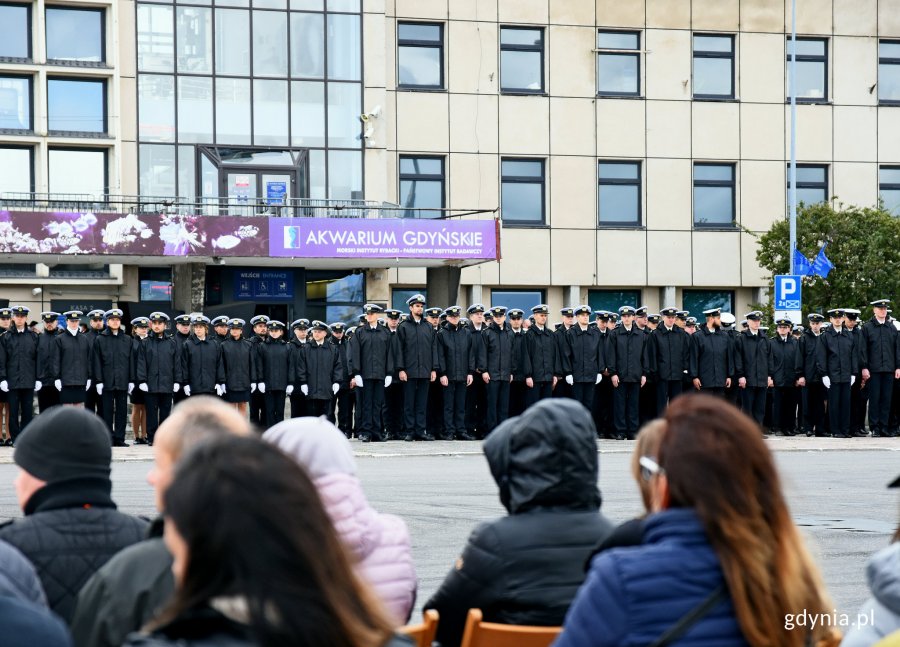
(793, 169)
(788, 297)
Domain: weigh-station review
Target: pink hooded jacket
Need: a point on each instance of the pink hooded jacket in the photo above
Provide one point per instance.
(379, 542)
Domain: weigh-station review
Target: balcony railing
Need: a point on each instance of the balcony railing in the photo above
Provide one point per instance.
(159, 205)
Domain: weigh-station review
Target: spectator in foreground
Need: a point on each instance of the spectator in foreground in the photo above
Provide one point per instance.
(525, 568)
(378, 543)
(720, 546)
(71, 525)
(18, 577)
(26, 624)
(256, 558)
(128, 591)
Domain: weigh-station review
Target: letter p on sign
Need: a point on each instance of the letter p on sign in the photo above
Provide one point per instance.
(787, 292)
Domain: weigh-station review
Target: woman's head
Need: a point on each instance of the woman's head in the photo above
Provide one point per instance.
(647, 445)
(247, 521)
(713, 459)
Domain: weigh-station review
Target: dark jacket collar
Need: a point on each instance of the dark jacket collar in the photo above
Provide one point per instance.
(72, 493)
(681, 525)
(203, 622)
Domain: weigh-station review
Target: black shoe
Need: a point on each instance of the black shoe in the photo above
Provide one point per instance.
(446, 436)
(8, 442)
(464, 436)
(620, 437)
(426, 436)
(120, 443)
(140, 441)
(409, 438)
(149, 443)
(365, 437)
(859, 433)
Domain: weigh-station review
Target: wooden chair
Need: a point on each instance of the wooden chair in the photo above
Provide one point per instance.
(490, 634)
(424, 632)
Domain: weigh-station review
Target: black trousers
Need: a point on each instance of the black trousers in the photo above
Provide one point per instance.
(48, 397)
(455, 408)
(476, 407)
(258, 409)
(158, 406)
(92, 401)
(316, 408)
(626, 406)
(714, 390)
(393, 409)
(517, 397)
(814, 395)
(21, 410)
(369, 400)
(839, 408)
(562, 390)
(497, 402)
(115, 412)
(434, 412)
(666, 391)
(538, 392)
(415, 404)
(583, 392)
(299, 404)
(274, 407)
(603, 407)
(647, 402)
(859, 396)
(784, 408)
(881, 386)
(753, 402)
(344, 403)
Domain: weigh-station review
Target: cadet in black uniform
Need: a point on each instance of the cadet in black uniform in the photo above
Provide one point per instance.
(341, 412)
(837, 362)
(238, 360)
(670, 358)
(476, 395)
(319, 371)
(201, 361)
(414, 361)
(813, 392)
(787, 376)
(879, 358)
(583, 362)
(712, 355)
(275, 372)
(111, 358)
(628, 367)
(5, 323)
(140, 326)
(371, 364)
(220, 327)
(541, 358)
(92, 400)
(859, 392)
(19, 370)
(603, 392)
(753, 367)
(158, 372)
(71, 362)
(257, 398)
(563, 389)
(434, 412)
(47, 395)
(517, 388)
(647, 395)
(456, 367)
(498, 367)
(182, 334)
(298, 343)
(393, 410)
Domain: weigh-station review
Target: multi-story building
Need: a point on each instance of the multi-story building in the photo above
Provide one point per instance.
(630, 149)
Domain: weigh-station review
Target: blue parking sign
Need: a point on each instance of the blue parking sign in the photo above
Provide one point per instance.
(787, 292)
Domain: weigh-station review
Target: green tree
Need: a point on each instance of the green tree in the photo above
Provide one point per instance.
(863, 245)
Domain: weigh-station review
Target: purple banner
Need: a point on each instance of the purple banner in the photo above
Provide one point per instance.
(383, 238)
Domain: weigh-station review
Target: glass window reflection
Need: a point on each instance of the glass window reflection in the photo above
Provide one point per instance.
(345, 175)
(15, 31)
(233, 111)
(16, 169)
(344, 107)
(15, 103)
(156, 107)
(157, 164)
(270, 113)
(76, 105)
(270, 43)
(233, 42)
(308, 113)
(308, 45)
(195, 111)
(77, 171)
(75, 34)
(194, 40)
(155, 39)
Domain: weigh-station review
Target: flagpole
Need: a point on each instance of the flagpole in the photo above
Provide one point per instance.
(793, 168)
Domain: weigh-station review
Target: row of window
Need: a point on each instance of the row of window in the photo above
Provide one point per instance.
(619, 190)
(420, 66)
(70, 171)
(75, 105)
(74, 34)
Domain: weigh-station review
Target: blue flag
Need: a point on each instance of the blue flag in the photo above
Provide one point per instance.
(822, 265)
(802, 266)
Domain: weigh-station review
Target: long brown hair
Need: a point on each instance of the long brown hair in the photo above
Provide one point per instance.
(716, 462)
(647, 444)
(256, 528)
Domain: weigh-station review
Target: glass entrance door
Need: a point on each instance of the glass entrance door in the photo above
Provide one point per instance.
(277, 191)
(242, 192)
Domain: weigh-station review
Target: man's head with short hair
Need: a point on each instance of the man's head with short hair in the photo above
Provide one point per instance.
(193, 421)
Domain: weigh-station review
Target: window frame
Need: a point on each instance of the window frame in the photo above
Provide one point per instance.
(887, 60)
(699, 313)
(810, 185)
(541, 292)
(103, 39)
(31, 158)
(808, 58)
(882, 186)
(631, 53)
(523, 48)
(83, 149)
(426, 177)
(732, 184)
(85, 133)
(639, 183)
(695, 54)
(426, 44)
(611, 291)
(524, 179)
(30, 79)
(29, 23)
(405, 290)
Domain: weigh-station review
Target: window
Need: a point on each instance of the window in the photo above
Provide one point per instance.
(521, 60)
(270, 43)
(194, 43)
(612, 300)
(232, 42)
(270, 113)
(713, 67)
(156, 103)
(714, 195)
(524, 300)
(76, 105)
(308, 113)
(420, 55)
(77, 171)
(619, 63)
(157, 164)
(16, 169)
(619, 193)
(422, 186)
(888, 188)
(156, 283)
(812, 183)
(15, 103)
(195, 111)
(17, 270)
(344, 55)
(889, 72)
(344, 107)
(233, 111)
(812, 69)
(75, 35)
(308, 45)
(334, 296)
(522, 191)
(15, 31)
(399, 297)
(79, 271)
(155, 36)
(345, 175)
(696, 301)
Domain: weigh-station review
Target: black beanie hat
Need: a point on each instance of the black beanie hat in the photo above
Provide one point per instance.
(65, 443)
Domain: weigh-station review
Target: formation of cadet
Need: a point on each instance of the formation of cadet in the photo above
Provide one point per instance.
(433, 373)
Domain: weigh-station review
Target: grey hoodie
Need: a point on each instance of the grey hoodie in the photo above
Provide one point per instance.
(883, 574)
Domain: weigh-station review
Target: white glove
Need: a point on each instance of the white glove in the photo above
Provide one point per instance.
(358, 379)
(99, 388)
(4, 386)
(387, 381)
(335, 388)
(58, 384)
(38, 385)
(187, 389)
(304, 389)
(175, 387)
(852, 380)
(599, 378)
(290, 389)
(220, 390)
(143, 387)
(253, 388)
(826, 381)
(570, 380)
(130, 387)
(262, 387)
(224, 389)
(87, 386)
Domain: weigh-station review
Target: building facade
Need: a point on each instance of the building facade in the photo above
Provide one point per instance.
(630, 149)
